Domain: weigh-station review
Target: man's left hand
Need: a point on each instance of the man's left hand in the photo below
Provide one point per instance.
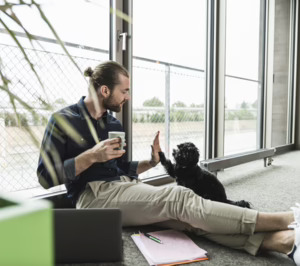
(155, 147)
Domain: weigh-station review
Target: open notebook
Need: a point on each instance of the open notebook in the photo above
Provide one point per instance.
(176, 248)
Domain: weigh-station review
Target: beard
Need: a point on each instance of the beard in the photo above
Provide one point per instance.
(112, 105)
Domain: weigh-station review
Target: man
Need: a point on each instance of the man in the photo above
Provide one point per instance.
(75, 151)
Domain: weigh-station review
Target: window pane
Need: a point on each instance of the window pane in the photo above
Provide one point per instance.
(168, 87)
(241, 75)
(85, 26)
(240, 115)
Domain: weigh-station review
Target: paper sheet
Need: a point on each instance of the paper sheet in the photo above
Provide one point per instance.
(176, 247)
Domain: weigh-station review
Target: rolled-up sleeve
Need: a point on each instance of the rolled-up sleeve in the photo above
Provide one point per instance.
(132, 168)
(69, 169)
(128, 168)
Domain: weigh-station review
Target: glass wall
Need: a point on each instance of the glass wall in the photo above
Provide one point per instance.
(242, 86)
(168, 75)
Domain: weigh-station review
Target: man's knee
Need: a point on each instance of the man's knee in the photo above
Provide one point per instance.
(183, 198)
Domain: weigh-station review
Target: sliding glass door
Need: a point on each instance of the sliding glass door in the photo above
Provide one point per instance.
(242, 75)
(168, 75)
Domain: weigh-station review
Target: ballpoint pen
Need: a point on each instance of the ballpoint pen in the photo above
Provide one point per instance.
(153, 238)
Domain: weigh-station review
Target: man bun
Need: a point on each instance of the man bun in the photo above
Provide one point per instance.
(88, 72)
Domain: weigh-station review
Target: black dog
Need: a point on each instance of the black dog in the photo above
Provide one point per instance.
(189, 174)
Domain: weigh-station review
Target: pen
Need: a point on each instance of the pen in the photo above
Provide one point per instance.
(153, 238)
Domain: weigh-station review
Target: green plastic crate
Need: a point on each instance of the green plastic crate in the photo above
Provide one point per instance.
(26, 232)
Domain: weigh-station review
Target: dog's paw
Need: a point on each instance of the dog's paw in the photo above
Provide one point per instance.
(162, 157)
(244, 204)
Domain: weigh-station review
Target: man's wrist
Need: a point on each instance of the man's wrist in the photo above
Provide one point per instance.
(84, 161)
(153, 163)
(88, 157)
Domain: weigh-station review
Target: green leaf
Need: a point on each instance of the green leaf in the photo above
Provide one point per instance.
(5, 80)
(121, 15)
(14, 97)
(46, 105)
(55, 34)
(11, 33)
(91, 126)
(67, 127)
(62, 122)
(29, 36)
(5, 7)
(50, 168)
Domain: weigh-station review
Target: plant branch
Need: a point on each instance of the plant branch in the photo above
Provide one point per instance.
(11, 33)
(55, 34)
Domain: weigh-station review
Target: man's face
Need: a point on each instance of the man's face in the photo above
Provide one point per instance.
(119, 95)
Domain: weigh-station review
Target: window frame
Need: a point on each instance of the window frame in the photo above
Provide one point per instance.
(215, 78)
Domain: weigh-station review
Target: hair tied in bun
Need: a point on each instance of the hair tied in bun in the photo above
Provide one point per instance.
(88, 72)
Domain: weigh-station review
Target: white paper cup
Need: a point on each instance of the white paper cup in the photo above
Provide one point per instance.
(118, 134)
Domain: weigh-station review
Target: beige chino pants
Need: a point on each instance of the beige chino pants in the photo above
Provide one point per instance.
(175, 207)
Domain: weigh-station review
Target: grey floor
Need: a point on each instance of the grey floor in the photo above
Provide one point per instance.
(274, 188)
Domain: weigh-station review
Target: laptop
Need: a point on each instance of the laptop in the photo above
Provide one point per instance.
(87, 235)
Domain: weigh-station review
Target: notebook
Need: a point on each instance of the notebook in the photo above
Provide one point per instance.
(87, 235)
(175, 248)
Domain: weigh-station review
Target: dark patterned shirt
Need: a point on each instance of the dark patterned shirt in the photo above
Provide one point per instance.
(70, 132)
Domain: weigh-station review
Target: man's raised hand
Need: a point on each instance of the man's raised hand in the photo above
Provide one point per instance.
(155, 148)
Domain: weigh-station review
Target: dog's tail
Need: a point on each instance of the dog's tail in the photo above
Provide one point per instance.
(240, 203)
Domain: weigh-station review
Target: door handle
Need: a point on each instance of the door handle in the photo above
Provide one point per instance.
(123, 36)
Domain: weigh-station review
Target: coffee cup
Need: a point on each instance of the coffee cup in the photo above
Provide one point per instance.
(120, 135)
